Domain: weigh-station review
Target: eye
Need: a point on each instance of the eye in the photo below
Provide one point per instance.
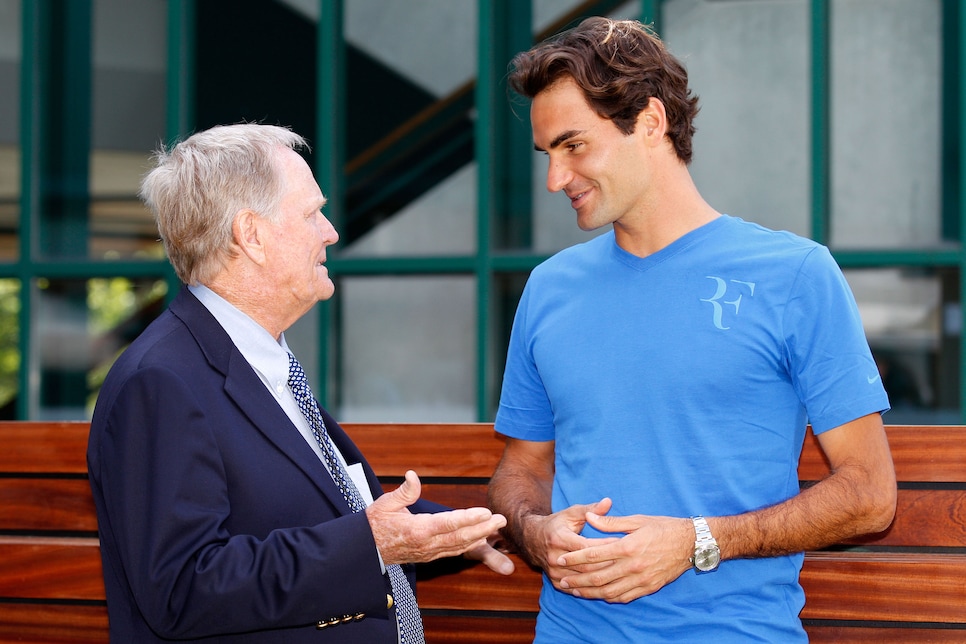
(571, 147)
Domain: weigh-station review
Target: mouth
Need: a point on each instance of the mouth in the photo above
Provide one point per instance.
(576, 200)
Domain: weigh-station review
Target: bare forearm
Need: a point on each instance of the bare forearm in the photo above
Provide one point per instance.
(518, 495)
(850, 502)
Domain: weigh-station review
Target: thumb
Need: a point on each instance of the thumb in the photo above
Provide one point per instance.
(600, 507)
(612, 524)
(408, 493)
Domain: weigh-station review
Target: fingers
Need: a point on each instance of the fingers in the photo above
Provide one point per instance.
(623, 524)
(620, 590)
(653, 553)
(607, 549)
(576, 515)
(458, 531)
(600, 507)
(402, 537)
(491, 558)
(561, 538)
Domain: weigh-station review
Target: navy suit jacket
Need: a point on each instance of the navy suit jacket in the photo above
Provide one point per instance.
(215, 517)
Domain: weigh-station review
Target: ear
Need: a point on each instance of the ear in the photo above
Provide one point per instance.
(652, 120)
(248, 235)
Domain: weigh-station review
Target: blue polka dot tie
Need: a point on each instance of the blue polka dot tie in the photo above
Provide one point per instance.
(407, 612)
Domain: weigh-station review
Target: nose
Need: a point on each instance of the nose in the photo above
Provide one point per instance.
(558, 175)
(329, 233)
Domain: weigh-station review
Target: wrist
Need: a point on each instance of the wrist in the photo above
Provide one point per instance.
(526, 536)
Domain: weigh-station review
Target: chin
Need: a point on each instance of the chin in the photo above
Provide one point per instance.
(590, 226)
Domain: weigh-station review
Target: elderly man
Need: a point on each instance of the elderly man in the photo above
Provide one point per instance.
(230, 506)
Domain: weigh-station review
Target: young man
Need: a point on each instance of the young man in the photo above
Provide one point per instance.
(660, 377)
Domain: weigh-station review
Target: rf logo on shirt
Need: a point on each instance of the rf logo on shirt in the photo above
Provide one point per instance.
(734, 289)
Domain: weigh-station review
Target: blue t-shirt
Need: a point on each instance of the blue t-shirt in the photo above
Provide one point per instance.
(680, 384)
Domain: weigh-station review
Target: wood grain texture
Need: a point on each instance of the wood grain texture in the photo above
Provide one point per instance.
(37, 446)
(883, 635)
(458, 629)
(44, 504)
(933, 453)
(458, 584)
(913, 575)
(50, 568)
(895, 587)
(924, 518)
(436, 449)
(53, 624)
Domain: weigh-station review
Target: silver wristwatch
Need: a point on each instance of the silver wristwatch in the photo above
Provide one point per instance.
(707, 555)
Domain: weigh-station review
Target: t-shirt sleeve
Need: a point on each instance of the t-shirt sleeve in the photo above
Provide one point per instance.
(830, 362)
(524, 411)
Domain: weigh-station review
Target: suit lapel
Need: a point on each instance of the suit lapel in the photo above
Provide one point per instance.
(248, 392)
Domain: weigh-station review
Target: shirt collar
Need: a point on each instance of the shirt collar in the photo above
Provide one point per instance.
(268, 357)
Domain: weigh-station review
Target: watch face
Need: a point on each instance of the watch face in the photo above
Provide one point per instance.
(707, 558)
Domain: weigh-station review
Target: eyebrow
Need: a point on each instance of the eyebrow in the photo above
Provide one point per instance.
(560, 139)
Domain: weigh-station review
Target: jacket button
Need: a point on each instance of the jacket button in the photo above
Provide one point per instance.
(389, 601)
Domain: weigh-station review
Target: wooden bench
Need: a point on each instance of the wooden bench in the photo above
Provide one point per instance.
(907, 584)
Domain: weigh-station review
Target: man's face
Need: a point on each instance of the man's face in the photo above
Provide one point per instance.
(298, 238)
(602, 171)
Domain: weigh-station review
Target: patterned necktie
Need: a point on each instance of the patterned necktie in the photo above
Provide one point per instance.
(407, 612)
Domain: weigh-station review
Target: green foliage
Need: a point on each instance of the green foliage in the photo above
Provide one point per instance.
(9, 339)
(112, 303)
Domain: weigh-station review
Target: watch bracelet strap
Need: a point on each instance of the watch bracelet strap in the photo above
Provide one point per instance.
(702, 531)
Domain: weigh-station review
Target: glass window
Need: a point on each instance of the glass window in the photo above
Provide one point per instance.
(441, 222)
(9, 347)
(408, 349)
(886, 118)
(9, 132)
(748, 63)
(128, 124)
(410, 172)
(79, 328)
(912, 320)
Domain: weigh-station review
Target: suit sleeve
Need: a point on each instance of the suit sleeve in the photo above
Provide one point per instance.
(163, 476)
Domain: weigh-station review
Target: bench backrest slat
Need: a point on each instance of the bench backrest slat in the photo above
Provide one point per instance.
(46, 504)
(50, 568)
(42, 447)
(908, 587)
(63, 623)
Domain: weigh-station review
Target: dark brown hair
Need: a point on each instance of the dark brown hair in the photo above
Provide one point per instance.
(620, 65)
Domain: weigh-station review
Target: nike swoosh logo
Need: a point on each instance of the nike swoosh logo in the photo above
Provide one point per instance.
(872, 379)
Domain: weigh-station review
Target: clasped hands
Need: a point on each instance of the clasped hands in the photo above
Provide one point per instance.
(404, 537)
(649, 553)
